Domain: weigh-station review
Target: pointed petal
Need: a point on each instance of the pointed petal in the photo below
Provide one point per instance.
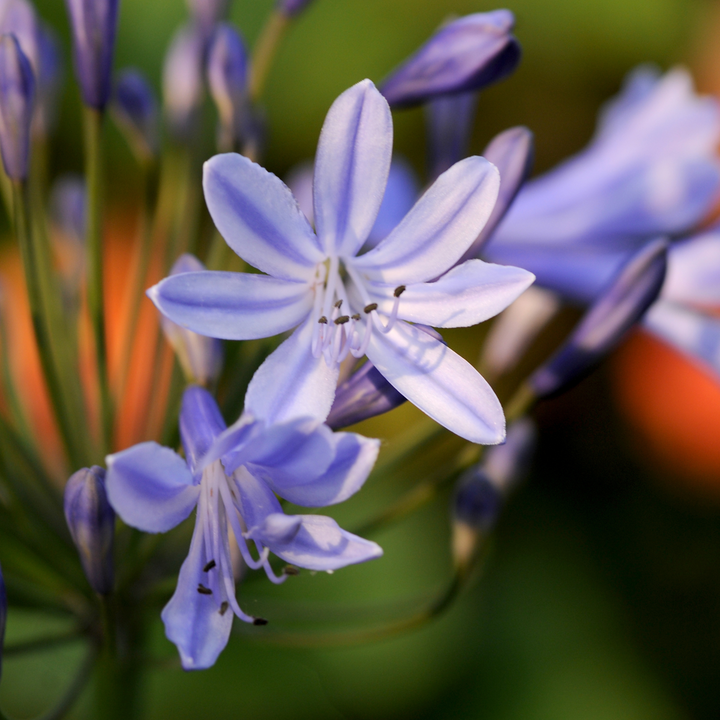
(150, 487)
(439, 229)
(292, 383)
(351, 168)
(192, 619)
(317, 543)
(259, 218)
(466, 295)
(232, 306)
(354, 459)
(437, 380)
(256, 499)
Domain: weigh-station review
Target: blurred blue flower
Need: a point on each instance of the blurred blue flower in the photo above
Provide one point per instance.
(232, 475)
(340, 305)
(17, 94)
(207, 13)
(135, 109)
(93, 24)
(292, 8)
(465, 54)
(650, 170)
(449, 120)
(91, 521)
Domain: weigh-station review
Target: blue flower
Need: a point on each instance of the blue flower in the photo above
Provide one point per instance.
(344, 303)
(136, 110)
(231, 476)
(650, 170)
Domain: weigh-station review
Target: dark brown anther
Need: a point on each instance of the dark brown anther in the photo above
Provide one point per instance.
(342, 319)
(204, 590)
(323, 320)
(290, 570)
(356, 316)
(369, 308)
(260, 621)
(224, 605)
(338, 304)
(210, 566)
(399, 290)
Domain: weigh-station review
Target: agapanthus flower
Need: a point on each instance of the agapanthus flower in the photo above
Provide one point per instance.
(232, 476)
(344, 303)
(651, 169)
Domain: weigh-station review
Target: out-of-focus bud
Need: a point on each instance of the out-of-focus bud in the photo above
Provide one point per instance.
(291, 8)
(515, 328)
(17, 93)
(200, 357)
(208, 12)
(366, 393)
(466, 54)
(93, 24)
(183, 80)
(49, 74)
(92, 526)
(616, 310)
(67, 206)
(227, 71)
(3, 616)
(449, 120)
(512, 152)
(480, 492)
(135, 110)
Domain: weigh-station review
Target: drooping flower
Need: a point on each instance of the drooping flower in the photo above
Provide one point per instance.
(651, 170)
(231, 476)
(344, 303)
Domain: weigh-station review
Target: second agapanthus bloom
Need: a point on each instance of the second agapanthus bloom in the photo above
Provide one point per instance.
(346, 303)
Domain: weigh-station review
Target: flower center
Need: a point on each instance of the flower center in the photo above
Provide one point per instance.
(345, 321)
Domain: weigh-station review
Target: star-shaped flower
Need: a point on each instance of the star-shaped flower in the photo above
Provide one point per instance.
(345, 303)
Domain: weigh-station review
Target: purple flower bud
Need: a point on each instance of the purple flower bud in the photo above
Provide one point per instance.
(17, 93)
(512, 153)
(3, 616)
(201, 357)
(365, 394)
(200, 423)
(136, 111)
(93, 24)
(227, 71)
(92, 525)
(49, 73)
(477, 501)
(208, 12)
(183, 80)
(449, 121)
(616, 310)
(466, 54)
(67, 206)
(291, 8)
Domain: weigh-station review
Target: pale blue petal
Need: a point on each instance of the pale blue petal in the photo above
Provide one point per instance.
(292, 383)
(193, 620)
(693, 274)
(354, 459)
(259, 218)
(315, 542)
(439, 229)
(232, 306)
(437, 380)
(351, 168)
(255, 499)
(150, 487)
(466, 295)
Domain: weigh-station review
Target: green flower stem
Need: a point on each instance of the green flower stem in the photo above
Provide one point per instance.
(265, 51)
(93, 122)
(40, 322)
(43, 643)
(521, 403)
(76, 687)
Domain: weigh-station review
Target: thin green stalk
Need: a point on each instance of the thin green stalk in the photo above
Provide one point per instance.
(28, 250)
(265, 51)
(75, 688)
(95, 294)
(43, 643)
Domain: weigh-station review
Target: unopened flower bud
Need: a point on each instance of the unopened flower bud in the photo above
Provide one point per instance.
(3, 616)
(49, 76)
(92, 525)
(93, 24)
(208, 12)
(183, 80)
(17, 93)
(512, 153)
(292, 8)
(200, 357)
(135, 110)
(227, 71)
(466, 54)
(616, 310)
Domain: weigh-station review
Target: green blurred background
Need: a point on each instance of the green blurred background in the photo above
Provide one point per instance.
(600, 598)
